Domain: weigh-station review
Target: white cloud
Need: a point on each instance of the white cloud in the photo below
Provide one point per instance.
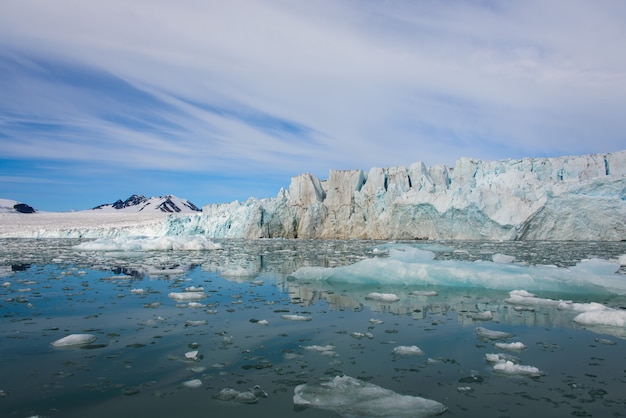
(370, 83)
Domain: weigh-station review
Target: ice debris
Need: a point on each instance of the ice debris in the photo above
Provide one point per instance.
(293, 317)
(382, 297)
(407, 265)
(74, 340)
(507, 365)
(249, 396)
(515, 346)
(187, 296)
(348, 396)
(193, 383)
(407, 350)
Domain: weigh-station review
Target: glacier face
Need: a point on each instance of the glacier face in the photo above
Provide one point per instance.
(566, 198)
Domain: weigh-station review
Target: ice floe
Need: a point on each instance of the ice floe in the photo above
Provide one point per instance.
(193, 383)
(74, 340)
(407, 265)
(382, 297)
(187, 296)
(294, 317)
(161, 243)
(348, 396)
(249, 396)
(504, 364)
(514, 346)
(408, 350)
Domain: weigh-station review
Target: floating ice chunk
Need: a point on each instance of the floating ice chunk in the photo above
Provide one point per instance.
(382, 297)
(487, 334)
(187, 296)
(507, 365)
(516, 346)
(408, 350)
(191, 355)
(352, 397)
(194, 289)
(603, 317)
(293, 317)
(6, 284)
(324, 349)
(262, 322)
(376, 321)
(195, 323)
(502, 258)
(137, 291)
(195, 305)
(74, 340)
(423, 293)
(226, 394)
(193, 383)
(411, 266)
(622, 260)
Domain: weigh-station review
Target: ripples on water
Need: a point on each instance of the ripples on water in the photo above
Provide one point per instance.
(155, 355)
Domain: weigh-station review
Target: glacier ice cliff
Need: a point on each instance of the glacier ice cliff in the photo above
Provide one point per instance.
(565, 198)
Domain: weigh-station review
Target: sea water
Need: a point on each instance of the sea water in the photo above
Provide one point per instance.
(244, 327)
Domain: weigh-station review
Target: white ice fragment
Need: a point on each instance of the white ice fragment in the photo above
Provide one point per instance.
(137, 291)
(516, 346)
(506, 364)
(502, 258)
(194, 289)
(376, 321)
(423, 293)
(195, 323)
(382, 297)
(291, 317)
(187, 296)
(263, 322)
(347, 396)
(74, 340)
(6, 284)
(603, 317)
(195, 305)
(193, 383)
(226, 394)
(407, 350)
(487, 334)
(191, 355)
(319, 348)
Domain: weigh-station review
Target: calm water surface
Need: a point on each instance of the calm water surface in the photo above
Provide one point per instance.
(142, 360)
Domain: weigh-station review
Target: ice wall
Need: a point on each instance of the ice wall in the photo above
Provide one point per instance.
(567, 198)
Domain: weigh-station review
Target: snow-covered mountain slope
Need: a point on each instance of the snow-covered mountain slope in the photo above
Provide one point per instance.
(138, 203)
(13, 206)
(567, 198)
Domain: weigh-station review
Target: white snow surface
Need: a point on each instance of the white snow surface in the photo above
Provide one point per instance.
(348, 396)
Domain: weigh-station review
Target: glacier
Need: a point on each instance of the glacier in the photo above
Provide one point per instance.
(565, 198)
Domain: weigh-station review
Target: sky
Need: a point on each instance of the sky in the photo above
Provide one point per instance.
(216, 101)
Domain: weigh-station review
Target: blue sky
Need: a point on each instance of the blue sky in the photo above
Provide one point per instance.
(215, 101)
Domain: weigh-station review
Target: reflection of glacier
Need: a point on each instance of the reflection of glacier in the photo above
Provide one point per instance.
(569, 198)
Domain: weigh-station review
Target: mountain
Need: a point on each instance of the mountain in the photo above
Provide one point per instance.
(139, 203)
(565, 198)
(13, 206)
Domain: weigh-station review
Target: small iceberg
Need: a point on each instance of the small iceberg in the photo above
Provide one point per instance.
(487, 334)
(187, 296)
(348, 396)
(408, 350)
(382, 297)
(290, 317)
(507, 365)
(74, 340)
